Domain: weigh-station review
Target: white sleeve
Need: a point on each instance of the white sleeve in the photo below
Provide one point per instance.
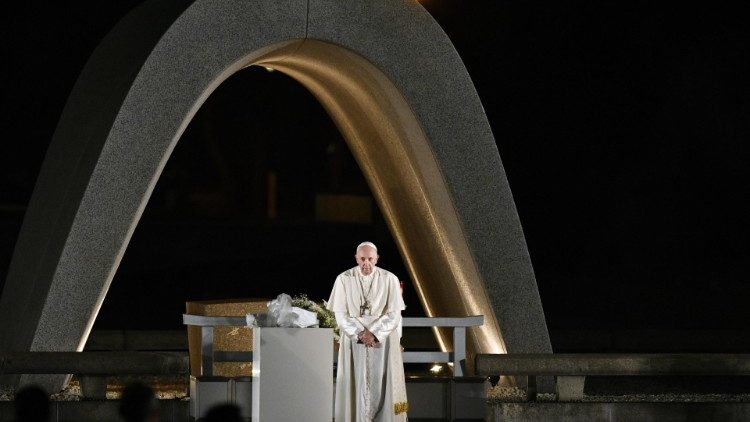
(383, 326)
(348, 325)
(337, 300)
(391, 319)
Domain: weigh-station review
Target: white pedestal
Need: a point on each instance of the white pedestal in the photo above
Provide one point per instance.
(292, 374)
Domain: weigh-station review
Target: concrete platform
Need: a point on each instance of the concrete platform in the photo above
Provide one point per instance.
(177, 411)
(430, 399)
(601, 412)
(99, 410)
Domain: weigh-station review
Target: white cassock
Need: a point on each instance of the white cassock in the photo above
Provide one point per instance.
(369, 380)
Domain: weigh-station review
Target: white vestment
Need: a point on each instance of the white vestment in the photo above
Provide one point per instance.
(369, 380)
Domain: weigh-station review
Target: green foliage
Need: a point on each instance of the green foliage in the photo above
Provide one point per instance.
(325, 316)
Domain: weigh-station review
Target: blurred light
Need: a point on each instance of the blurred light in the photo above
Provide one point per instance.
(268, 68)
(436, 369)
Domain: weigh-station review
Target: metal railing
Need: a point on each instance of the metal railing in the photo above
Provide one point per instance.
(457, 356)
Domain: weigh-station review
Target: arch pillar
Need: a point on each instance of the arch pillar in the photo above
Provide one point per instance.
(388, 76)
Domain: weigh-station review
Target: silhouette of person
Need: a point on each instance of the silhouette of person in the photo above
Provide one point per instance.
(138, 403)
(223, 413)
(32, 405)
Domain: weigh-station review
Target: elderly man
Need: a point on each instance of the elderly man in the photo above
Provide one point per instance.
(370, 377)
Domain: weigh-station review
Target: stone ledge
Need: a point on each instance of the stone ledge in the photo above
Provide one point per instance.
(99, 410)
(641, 411)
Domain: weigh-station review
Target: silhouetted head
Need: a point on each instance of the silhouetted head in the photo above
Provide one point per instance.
(138, 403)
(32, 404)
(223, 413)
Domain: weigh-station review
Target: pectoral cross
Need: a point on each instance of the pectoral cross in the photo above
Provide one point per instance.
(364, 307)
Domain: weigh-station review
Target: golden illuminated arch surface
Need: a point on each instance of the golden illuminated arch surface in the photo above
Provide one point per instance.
(393, 152)
(390, 79)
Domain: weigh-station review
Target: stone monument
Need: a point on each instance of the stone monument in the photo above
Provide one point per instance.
(390, 79)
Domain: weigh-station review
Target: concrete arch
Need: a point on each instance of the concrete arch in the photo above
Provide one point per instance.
(390, 79)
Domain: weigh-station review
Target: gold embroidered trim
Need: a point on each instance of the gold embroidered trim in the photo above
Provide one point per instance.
(401, 407)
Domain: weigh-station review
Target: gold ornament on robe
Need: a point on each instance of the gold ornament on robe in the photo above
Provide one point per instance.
(401, 407)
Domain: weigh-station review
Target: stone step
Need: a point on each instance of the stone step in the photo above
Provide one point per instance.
(619, 411)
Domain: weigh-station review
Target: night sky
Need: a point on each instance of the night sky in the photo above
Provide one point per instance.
(621, 126)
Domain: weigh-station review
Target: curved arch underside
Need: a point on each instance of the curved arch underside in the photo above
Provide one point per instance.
(390, 79)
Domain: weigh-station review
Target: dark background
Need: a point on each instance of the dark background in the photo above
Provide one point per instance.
(621, 126)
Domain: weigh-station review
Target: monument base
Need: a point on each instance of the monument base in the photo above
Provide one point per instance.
(292, 374)
(226, 339)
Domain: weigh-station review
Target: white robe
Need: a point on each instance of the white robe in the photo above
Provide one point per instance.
(369, 380)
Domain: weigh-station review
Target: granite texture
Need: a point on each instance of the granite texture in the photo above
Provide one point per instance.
(130, 105)
(643, 411)
(145, 82)
(227, 339)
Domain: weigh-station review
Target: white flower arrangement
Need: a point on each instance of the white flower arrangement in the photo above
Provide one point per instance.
(326, 317)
